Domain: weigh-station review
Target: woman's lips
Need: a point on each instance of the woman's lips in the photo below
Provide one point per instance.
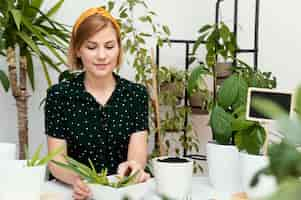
(101, 66)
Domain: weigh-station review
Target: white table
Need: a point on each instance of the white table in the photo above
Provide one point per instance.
(201, 190)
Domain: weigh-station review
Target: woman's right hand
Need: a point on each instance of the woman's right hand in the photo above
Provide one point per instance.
(81, 191)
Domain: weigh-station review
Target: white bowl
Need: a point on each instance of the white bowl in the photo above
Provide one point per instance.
(134, 192)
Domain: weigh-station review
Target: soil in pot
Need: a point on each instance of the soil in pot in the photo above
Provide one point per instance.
(173, 160)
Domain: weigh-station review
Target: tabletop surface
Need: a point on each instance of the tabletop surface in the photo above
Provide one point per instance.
(201, 189)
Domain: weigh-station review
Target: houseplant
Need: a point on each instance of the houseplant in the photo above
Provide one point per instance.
(24, 178)
(220, 43)
(230, 127)
(285, 158)
(197, 89)
(103, 186)
(25, 27)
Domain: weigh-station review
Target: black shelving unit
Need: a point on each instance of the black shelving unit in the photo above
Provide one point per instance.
(188, 43)
(254, 50)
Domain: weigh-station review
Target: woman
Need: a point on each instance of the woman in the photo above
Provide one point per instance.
(97, 115)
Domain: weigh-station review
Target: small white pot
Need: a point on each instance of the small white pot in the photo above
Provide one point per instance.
(134, 192)
(8, 151)
(173, 180)
(223, 167)
(21, 182)
(250, 164)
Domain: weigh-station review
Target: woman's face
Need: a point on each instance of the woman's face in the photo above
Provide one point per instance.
(99, 53)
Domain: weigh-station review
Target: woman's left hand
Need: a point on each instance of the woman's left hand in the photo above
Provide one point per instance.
(130, 167)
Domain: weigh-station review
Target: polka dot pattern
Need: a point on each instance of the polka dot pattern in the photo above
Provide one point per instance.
(91, 130)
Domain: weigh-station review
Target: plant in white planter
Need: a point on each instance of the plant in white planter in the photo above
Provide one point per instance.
(285, 157)
(106, 187)
(173, 176)
(230, 127)
(23, 179)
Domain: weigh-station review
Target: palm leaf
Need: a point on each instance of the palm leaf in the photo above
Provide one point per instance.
(4, 80)
(46, 73)
(17, 16)
(55, 8)
(29, 42)
(42, 39)
(30, 70)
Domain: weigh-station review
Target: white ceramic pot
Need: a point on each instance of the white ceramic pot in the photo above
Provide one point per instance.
(21, 182)
(173, 179)
(223, 167)
(250, 164)
(8, 151)
(134, 192)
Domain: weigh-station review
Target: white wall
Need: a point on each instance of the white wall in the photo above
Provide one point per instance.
(278, 47)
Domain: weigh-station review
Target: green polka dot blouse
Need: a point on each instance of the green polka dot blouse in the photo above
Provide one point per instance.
(92, 131)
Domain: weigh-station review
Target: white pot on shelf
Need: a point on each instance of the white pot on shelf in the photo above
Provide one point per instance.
(250, 164)
(21, 182)
(173, 179)
(8, 151)
(223, 168)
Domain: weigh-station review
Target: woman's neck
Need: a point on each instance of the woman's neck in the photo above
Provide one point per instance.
(99, 84)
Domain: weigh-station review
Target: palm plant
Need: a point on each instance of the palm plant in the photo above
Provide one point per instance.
(27, 33)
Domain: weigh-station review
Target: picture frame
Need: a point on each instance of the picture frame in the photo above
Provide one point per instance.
(283, 98)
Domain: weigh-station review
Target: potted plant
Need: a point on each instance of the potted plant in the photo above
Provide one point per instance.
(24, 26)
(220, 43)
(24, 178)
(173, 176)
(103, 186)
(197, 89)
(284, 157)
(229, 126)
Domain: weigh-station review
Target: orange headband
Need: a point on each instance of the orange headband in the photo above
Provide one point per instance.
(93, 11)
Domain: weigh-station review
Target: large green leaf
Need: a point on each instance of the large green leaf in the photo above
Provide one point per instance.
(250, 139)
(29, 42)
(239, 124)
(30, 69)
(38, 34)
(196, 75)
(17, 15)
(228, 92)
(4, 80)
(46, 73)
(55, 8)
(242, 93)
(220, 122)
(298, 102)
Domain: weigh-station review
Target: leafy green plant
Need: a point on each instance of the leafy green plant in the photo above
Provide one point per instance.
(220, 42)
(92, 176)
(27, 34)
(135, 40)
(228, 120)
(36, 160)
(285, 158)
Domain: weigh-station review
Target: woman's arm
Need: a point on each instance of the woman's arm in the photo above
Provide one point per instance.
(137, 150)
(60, 173)
(137, 157)
(80, 189)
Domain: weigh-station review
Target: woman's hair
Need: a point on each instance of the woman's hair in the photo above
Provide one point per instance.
(84, 30)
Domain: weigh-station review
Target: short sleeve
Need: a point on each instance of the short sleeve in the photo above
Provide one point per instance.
(140, 111)
(55, 124)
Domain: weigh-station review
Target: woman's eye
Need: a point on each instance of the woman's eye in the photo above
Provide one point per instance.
(90, 47)
(109, 47)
